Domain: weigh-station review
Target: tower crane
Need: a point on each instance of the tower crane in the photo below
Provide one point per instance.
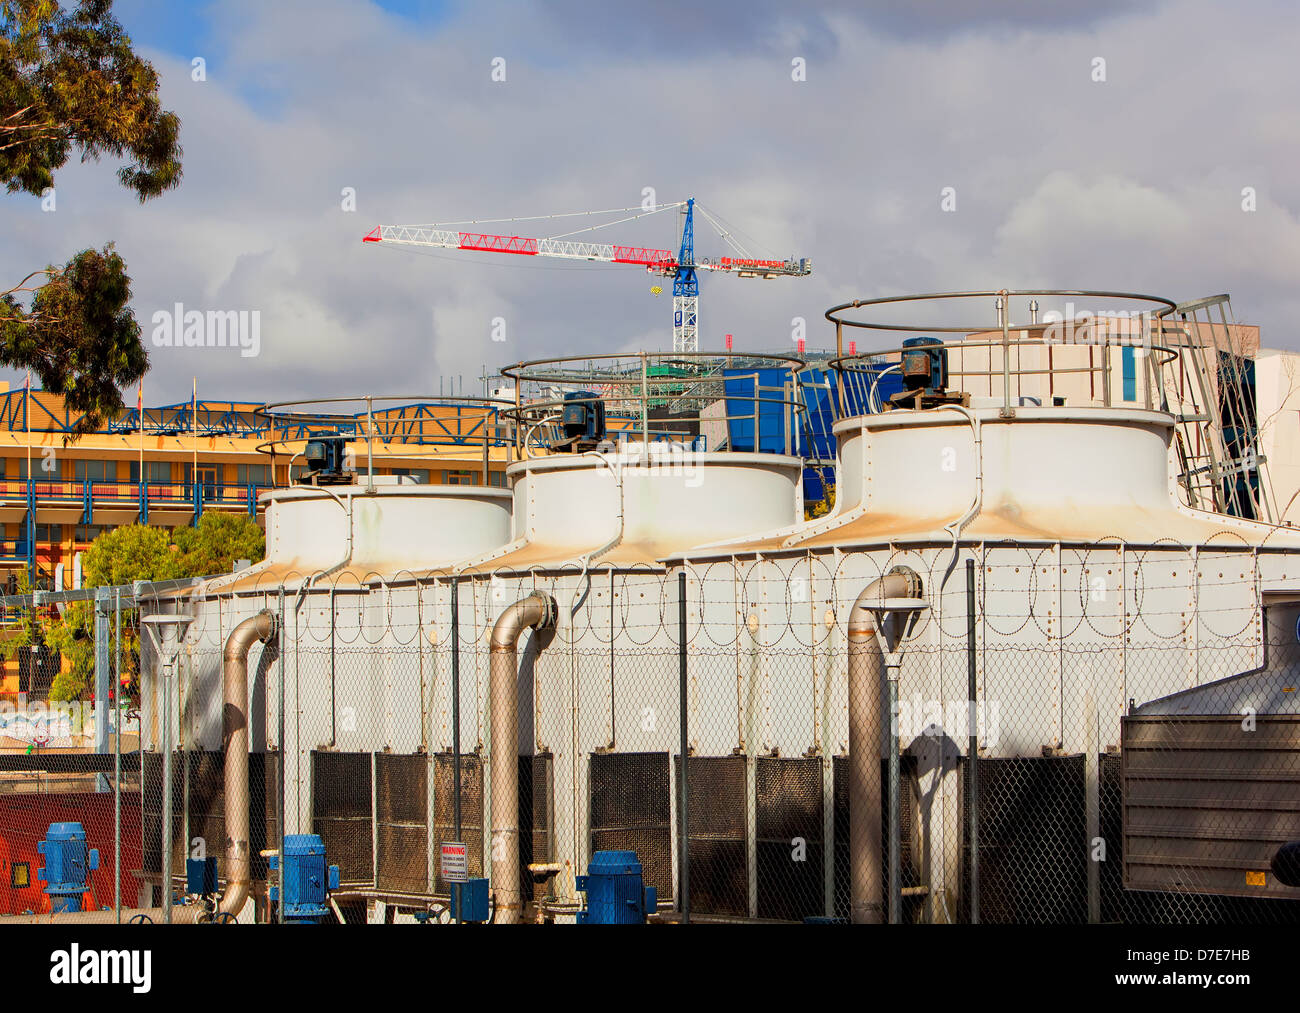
(683, 267)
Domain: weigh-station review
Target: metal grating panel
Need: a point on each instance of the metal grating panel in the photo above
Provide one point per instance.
(1206, 804)
(401, 807)
(536, 796)
(1033, 869)
(717, 837)
(207, 809)
(471, 810)
(789, 849)
(909, 876)
(341, 812)
(630, 811)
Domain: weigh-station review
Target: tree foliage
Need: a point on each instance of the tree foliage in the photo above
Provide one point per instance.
(122, 556)
(79, 335)
(69, 79)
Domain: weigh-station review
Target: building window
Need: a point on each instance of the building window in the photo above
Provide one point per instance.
(253, 474)
(155, 472)
(459, 477)
(20, 877)
(1130, 372)
(497, 479)
(87, 533)
(49, 533)
(96, 471)
(421, 475)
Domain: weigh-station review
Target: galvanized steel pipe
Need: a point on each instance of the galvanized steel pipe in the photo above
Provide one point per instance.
(537, 611)
(234, 734)
(868, 714)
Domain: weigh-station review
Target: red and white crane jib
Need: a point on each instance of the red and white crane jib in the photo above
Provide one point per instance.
(659, 261)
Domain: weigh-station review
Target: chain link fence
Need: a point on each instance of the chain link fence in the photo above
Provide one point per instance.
(1134, 710)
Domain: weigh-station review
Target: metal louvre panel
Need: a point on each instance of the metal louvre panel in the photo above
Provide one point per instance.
(1206, 806)
(717, 837)
(1033, 868)
(788, 809)
(401, 808)
(341, 812)
(471, 811)
(630, 811)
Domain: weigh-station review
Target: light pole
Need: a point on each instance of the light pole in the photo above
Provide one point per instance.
(165, 632)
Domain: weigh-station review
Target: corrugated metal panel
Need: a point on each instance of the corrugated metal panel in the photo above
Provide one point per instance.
(1207, 803)
(401, 804)
(717, 837)
(788, 825)
(341, 812)
(471, 810)
(1032, 828)
(630, 811)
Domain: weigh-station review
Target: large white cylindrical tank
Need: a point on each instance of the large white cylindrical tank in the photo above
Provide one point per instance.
(659, 498)
(394, 528)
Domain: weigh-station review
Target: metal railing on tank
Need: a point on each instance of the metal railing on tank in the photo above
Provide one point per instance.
(1076, 348)
(414, 427)
(695, 401)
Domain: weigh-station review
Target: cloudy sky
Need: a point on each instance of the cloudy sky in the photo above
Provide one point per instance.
(1134, 182)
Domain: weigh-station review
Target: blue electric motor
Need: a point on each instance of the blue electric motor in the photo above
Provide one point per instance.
(582, 421)
(614, 892)
(307, 880)
(925, 364)
(67, 864)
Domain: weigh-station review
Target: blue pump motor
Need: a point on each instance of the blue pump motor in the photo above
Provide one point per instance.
(582, 420)
(925, 364)
(67, 865)
(615, 895)
(307, 879)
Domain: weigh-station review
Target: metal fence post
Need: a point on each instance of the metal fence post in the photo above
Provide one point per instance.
(167, 827)
(117, 755)
(972, 747)
(455, 702)
(682, 805)
(279, 914)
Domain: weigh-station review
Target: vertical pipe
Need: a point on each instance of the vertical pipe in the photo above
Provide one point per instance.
(972, 747)
(101, 670)
(683, 820)
(117, 757)
(538, 612)
(455, 702)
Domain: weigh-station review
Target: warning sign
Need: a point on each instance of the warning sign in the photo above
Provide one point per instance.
(455, 862)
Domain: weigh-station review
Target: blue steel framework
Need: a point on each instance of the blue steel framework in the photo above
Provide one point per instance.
(420, 423)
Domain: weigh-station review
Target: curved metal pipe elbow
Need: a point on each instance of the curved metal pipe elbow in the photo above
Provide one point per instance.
(234, 734)
(900, 582)
(537, 611)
